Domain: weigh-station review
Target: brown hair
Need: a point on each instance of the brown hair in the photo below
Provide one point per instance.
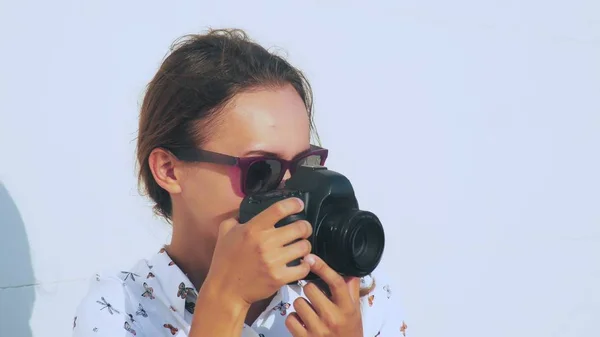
(202, 73)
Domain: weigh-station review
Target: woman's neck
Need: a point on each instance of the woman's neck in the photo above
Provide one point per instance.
(192, 252)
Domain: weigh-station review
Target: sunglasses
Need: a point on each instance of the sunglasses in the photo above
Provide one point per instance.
(259, 173)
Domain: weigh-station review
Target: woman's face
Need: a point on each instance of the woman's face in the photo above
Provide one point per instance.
(269, 121)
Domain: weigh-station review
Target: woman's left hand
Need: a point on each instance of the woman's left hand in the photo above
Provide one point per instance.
(339, 316)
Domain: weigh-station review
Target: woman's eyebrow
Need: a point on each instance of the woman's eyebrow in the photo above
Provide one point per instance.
(260, 153)
(271, 154)
(302, 152)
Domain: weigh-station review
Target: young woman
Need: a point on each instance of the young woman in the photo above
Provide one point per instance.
(223, 117)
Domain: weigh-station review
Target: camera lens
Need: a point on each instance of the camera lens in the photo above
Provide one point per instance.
(350, 241)
(359, 242)
(367, 241)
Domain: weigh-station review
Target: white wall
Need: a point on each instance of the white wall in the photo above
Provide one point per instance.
(471, 127)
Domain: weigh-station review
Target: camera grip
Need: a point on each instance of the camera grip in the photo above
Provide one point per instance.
(290, 219)
(286, 221)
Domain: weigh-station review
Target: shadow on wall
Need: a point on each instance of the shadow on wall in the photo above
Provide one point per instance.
(17, 293)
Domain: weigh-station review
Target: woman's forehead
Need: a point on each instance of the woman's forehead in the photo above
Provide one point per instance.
(268, 120)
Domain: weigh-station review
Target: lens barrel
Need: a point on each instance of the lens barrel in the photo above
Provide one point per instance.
(351, 241)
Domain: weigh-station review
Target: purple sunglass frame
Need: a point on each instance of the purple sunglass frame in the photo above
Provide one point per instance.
(244, 163)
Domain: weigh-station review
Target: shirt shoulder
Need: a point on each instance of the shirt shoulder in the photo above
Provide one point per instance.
(136, 302)
(381, 306)
(104, 310)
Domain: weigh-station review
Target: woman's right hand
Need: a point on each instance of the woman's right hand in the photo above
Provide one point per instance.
(250, 260)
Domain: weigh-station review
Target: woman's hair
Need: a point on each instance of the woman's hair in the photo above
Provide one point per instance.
(202, 73)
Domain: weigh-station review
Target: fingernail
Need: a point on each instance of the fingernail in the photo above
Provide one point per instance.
(300, 202)
(310, 260)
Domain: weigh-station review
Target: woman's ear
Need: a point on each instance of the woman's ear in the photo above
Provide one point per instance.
(165, 169)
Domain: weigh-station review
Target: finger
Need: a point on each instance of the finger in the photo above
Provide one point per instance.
(292, 232)
(295, 326)
(279, 210)
(319, 300)
(226, 226)
(307, 314)
(294, 273)
(294, 251)
(322, 286)
(353, 284)
(336, 283)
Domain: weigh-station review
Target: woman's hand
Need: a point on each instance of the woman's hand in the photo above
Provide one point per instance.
(339, 316)
(249, 261)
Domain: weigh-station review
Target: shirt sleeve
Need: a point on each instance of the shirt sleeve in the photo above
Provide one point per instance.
(383, 313)
(103, 312)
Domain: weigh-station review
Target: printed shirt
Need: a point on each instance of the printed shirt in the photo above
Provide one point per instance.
(156, 298)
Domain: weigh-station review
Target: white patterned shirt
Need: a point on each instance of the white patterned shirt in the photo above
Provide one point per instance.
(156, 298)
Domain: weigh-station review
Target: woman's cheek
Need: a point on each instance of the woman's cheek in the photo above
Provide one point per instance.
(235, 175)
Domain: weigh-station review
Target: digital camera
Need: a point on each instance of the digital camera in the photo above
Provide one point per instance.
(349, 240)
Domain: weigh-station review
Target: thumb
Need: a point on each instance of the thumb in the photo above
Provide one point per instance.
(353, 284)
(226, 226)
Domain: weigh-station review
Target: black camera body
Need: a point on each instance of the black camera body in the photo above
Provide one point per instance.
(348, 239)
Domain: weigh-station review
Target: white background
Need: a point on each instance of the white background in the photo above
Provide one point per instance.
(471, 127)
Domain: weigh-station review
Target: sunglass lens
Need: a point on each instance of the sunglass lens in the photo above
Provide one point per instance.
(312, 160)
(262, 175)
